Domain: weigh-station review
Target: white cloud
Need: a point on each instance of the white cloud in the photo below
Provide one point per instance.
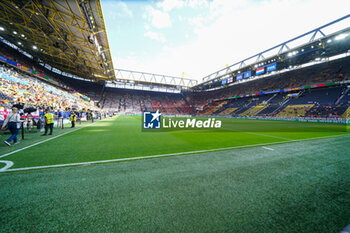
(122, 7)
(155, 36)
(168, 5)
(197, 21)
(236, 30)
(198, 3)
(116, 10)
(159, 19)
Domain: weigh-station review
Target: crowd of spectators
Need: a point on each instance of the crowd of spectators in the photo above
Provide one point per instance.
(334, 71)
(135, 102)
(16, 87)
(326, 111)
(20, 88)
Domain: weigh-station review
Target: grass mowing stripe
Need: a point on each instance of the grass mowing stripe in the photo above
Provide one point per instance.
(46, 140)
(260, 134)
(296, 189)
(167, 155)
(123, 138)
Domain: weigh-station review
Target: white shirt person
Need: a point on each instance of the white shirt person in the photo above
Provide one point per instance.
(13, 121)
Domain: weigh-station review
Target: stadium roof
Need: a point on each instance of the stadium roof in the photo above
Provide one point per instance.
(315, 44)
(69, 35)
(153, 79)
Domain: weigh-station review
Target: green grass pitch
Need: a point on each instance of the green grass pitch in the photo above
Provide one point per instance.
(253, 181)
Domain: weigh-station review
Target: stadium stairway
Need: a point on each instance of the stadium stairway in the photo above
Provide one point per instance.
(213, 108)
(343, 95)
(346, 114)
(227, 111)
(253, 111)
(295, 110)
(268, 110)
(284, 102)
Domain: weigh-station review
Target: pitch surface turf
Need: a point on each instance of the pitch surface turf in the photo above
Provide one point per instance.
(123, 138)
(292, 187)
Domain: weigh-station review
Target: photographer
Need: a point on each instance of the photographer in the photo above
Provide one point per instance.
(12, 122)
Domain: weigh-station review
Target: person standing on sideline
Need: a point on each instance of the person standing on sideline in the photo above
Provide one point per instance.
(49, 119)
(12, 122)
(92, 115)
(73, 119)
(60, 119)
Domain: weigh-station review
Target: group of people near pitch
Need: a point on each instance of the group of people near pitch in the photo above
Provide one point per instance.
(13, 123)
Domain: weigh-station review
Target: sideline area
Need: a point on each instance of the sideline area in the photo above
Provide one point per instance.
(34, 138)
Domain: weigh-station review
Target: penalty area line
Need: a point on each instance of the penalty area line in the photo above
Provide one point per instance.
(165, 155)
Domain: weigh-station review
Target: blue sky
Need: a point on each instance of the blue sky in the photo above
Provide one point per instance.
(198, 37)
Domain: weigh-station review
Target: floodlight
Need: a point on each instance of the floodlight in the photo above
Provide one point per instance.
(341, 36)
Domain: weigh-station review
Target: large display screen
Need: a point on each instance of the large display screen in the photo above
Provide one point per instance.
(223, 82)
(260, 71)
(271, 67)
(239, 77)
(247, 74)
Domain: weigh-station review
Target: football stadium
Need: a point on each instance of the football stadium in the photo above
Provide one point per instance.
(262, 145)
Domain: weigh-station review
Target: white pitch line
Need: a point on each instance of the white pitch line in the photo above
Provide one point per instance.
(8, 164)
(49, 139)
(268, 148)
(346, 229)
(165, 155)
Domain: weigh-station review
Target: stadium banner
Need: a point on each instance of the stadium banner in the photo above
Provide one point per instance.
(3, 58)
(292, 124)
(271, 92)
(271, 67)
(262, 124)
(239, 77)
(260, 71)
(330, 84)
(230, 80)
(335, 120)
(288, 90)
(224, 81)
(247, 74)
(11, 62)
(3, 114)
